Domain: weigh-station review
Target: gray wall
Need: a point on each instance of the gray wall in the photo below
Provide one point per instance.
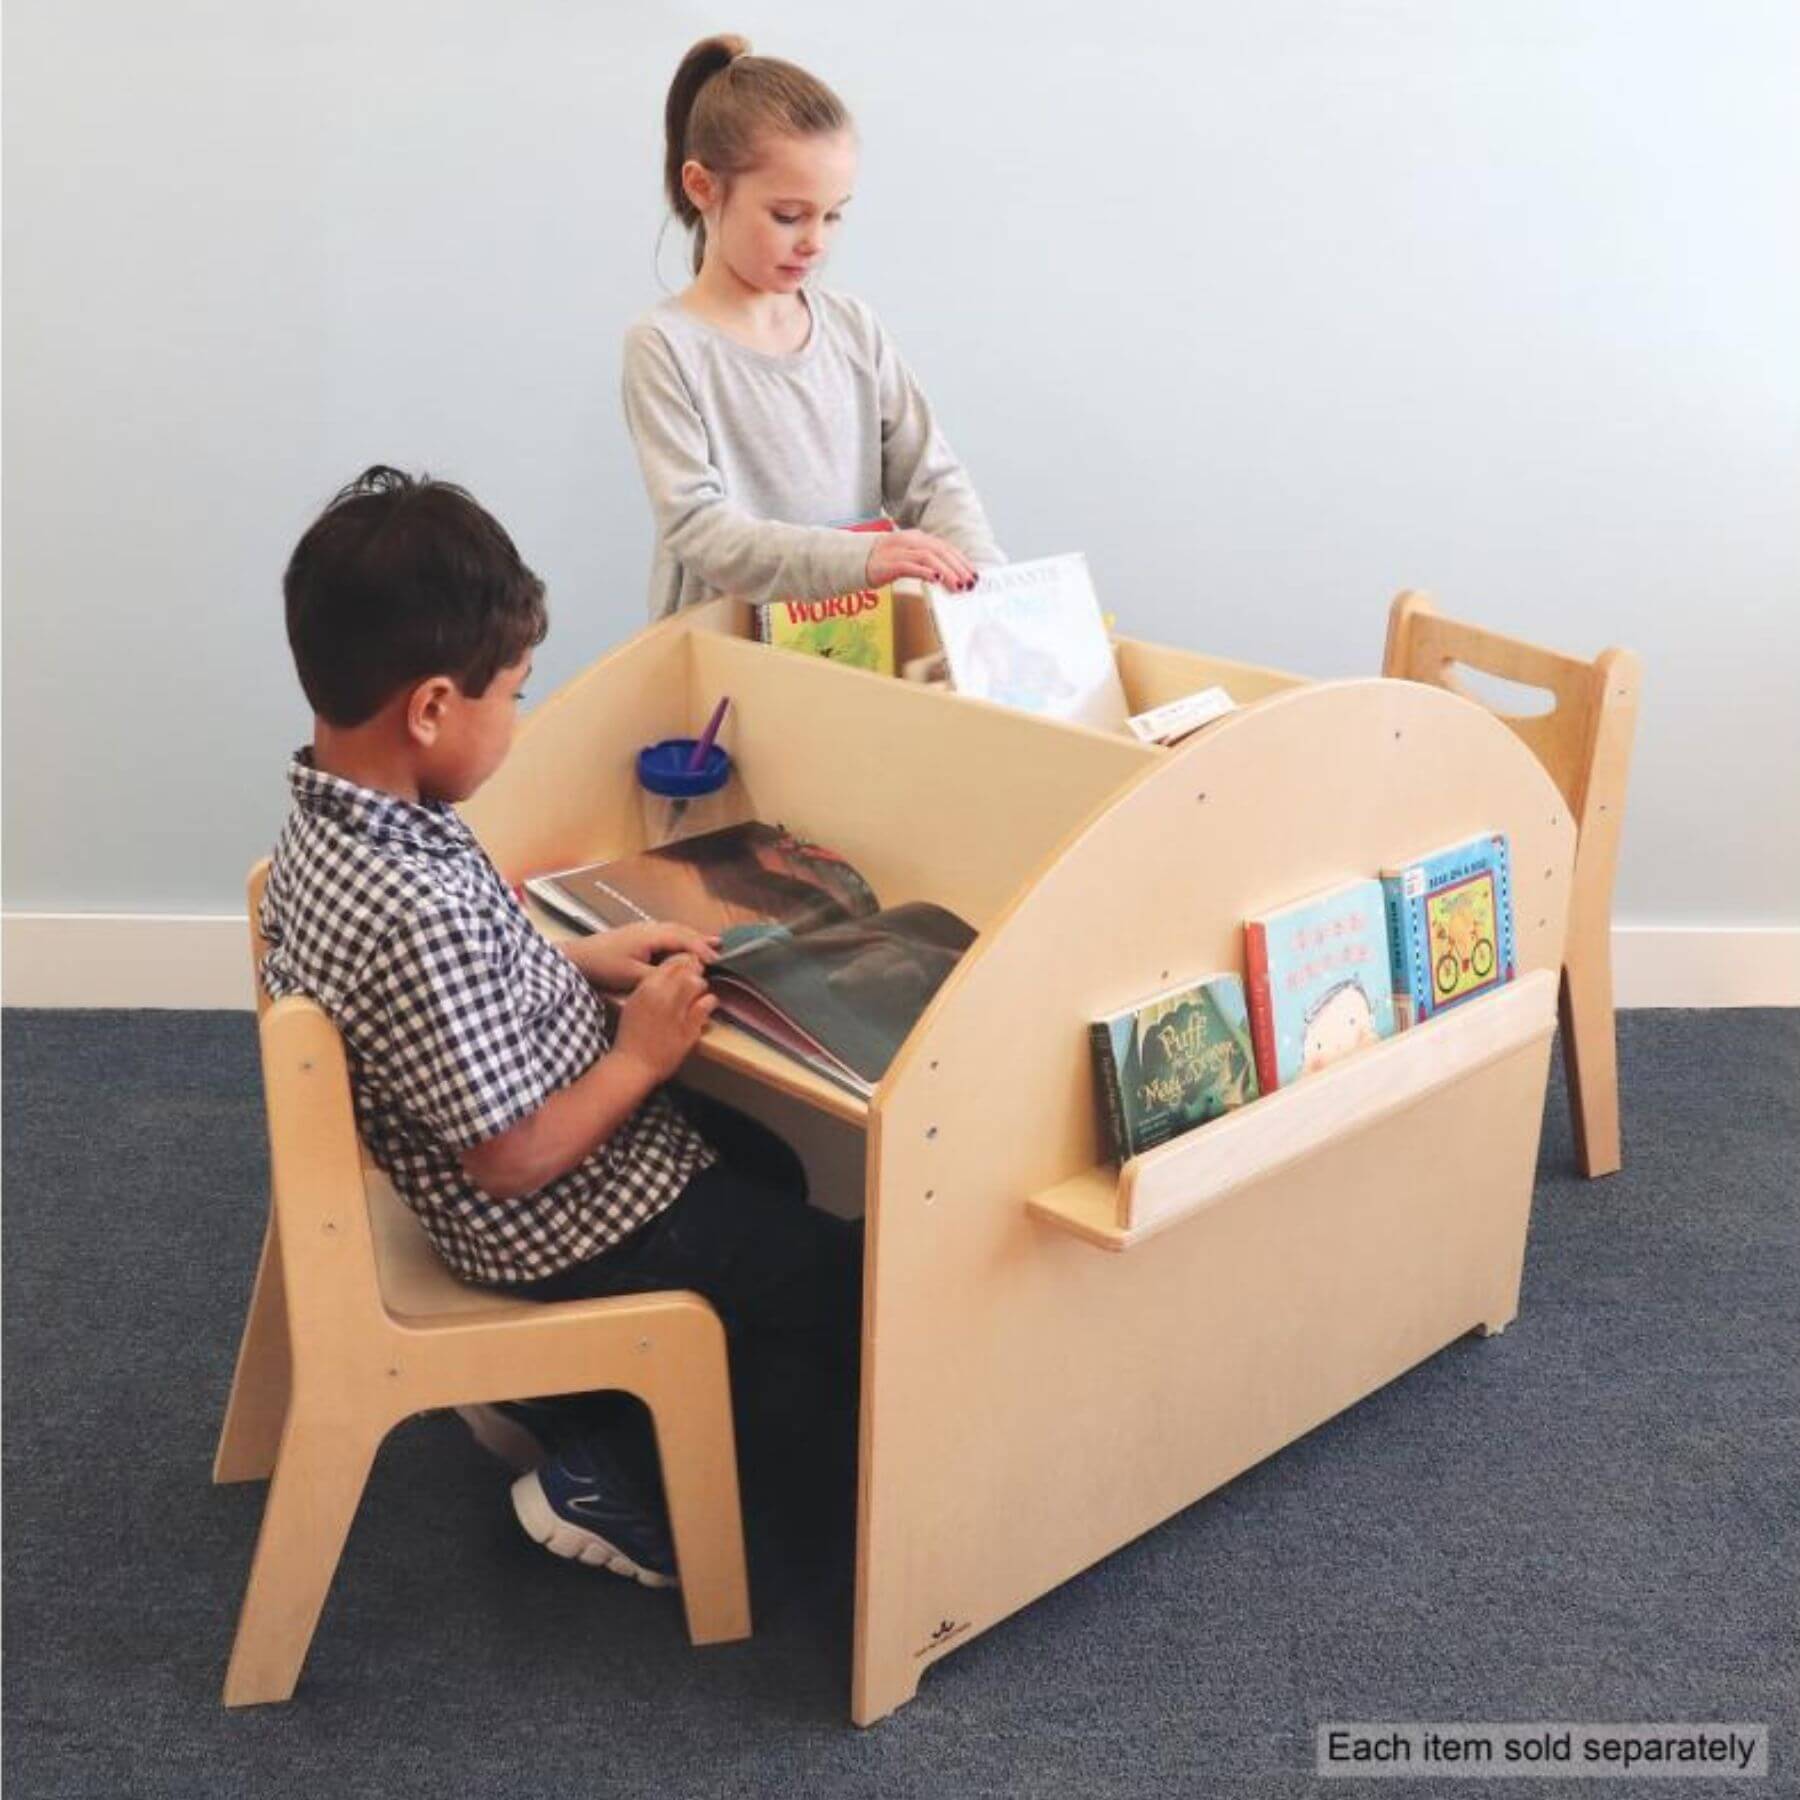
(1271, 309)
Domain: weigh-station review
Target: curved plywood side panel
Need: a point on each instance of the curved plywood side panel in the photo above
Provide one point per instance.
(1095, 1394)
(1322, 784)
(567, 791)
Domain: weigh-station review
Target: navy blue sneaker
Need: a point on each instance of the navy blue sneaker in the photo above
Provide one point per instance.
(521, 1433)
(579, 1504)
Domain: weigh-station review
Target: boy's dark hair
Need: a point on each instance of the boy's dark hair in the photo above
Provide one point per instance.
(400, 579)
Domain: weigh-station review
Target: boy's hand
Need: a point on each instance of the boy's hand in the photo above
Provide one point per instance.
(917, 555)
(662, 1019)
(619, 960)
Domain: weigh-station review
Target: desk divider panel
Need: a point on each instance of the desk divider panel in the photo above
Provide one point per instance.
(933, 797)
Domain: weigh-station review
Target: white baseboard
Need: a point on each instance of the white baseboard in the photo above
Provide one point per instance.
(134, 960)
(125, 959)
(1706, 965)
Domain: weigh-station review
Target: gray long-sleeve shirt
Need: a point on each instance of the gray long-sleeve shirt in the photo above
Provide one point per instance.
(750, 459)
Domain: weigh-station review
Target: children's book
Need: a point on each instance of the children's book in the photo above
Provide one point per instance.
(811, 962)
(1450, 926)
(855, 628)
(1172, 1062)
(1319, 981)
(1032, 635)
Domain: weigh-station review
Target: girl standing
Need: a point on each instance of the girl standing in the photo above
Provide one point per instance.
(767, 411)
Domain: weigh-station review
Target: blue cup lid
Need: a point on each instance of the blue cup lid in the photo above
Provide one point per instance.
(663, 769)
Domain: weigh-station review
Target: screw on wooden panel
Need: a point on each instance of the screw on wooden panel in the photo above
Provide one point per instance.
(1201, 798)
(1396, 737)
(393, 1371)
(643, 1344)
(934, 1065)
(1542, 923)
(330, 1225)
(930, 1132)
(930, 1196)
(1165, 975)
(306, 1066)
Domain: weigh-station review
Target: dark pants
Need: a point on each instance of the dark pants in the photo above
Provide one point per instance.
(785, 1278)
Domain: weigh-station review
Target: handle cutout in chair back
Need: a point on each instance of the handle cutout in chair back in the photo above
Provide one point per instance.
(1510, 699)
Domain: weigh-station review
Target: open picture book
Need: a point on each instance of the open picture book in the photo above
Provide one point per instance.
(810, 962)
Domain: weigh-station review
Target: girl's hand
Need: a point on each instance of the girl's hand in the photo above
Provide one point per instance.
(918, 556)
(661, 1021)
(619, 960)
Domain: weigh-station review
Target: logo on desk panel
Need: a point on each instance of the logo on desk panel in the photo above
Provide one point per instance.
(941, 1634)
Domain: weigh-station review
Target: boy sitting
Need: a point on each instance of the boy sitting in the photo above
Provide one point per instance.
(540, 1155)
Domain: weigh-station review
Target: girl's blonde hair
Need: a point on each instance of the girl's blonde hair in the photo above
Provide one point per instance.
(720, 103)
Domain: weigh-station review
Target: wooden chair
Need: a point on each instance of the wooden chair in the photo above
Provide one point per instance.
(355, 1324)
(1585, 744)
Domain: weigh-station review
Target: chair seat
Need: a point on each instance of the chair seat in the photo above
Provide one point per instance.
(416, 1286)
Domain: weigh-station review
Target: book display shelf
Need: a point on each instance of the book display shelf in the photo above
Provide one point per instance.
(1059, 1354)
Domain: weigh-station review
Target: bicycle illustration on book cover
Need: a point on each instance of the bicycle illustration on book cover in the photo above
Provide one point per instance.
(1461, 922)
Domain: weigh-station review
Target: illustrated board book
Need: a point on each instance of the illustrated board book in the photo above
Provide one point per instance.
(855, 628)
(1450, 926)
(1031, 635)
(1319, 981)
(1173, 1062)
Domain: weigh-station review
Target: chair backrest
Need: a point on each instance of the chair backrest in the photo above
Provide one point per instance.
(1584, 741)
(315, 1156)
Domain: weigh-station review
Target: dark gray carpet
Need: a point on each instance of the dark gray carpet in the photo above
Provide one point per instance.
(1592, 1517)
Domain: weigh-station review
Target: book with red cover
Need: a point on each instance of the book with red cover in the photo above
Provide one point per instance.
(1317, 979)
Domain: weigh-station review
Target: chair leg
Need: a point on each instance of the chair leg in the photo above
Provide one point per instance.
(698, 1451)
(259, 1389)
(1591, 1061)
(319, 1478)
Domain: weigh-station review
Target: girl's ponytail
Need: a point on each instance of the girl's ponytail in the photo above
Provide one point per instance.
(717, 122)
(698, 67)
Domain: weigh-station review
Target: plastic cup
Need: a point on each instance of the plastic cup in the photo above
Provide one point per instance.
(678, 801)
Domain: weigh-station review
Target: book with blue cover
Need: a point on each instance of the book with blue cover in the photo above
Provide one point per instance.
(1173, 1062)
(1450, 926)
(1319, 981)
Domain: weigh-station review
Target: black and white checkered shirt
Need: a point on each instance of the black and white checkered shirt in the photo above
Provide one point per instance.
(459, 1020)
